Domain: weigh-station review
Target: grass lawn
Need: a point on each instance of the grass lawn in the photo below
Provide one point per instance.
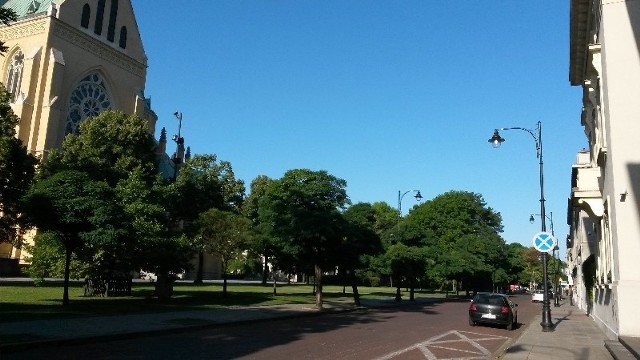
(27, 302)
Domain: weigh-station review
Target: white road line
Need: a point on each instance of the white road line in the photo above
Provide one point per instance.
(462, 337)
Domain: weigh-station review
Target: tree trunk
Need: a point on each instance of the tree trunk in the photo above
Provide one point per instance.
(318, 272)
(412, 287)
(164, 286)
(67, 265)
(265, 271)
(224, 278)
(274, 285)
(199, 270)
(354, 288)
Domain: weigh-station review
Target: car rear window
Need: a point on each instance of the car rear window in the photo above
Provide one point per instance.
(489, 299)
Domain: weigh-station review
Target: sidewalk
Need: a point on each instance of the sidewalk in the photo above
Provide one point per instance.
(576, 336)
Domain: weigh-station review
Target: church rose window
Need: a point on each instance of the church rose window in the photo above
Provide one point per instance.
(89, 99)
(14, 74)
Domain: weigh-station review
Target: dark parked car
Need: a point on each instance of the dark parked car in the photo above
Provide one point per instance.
(492, 308)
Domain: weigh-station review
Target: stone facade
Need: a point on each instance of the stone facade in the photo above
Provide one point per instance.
(604, 207)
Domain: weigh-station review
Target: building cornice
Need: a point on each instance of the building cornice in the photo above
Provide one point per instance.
(579, 34)
(23, 29)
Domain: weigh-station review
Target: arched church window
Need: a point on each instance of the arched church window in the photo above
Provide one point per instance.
(123, 37)
(88, 99)
(99, 17)
(113, 15)
(14, 74)
(86, 15)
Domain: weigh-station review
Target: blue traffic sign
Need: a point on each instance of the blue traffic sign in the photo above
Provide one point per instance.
(544, 242)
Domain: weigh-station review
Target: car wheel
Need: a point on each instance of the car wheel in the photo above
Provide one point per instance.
(510, 324)
(471, 322)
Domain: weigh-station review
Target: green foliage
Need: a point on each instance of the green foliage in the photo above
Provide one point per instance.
(6, 17)
(68, 204)
(127, 227)
(48, 258)
(109, 147)
(224, 233)
(460, 233)
(17, 170)
(301, 213)
(360, 238)
(261, 243)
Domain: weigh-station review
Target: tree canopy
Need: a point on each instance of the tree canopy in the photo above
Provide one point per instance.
(301, 211)
(17, 170)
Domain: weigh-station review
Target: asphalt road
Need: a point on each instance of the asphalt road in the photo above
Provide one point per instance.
(432, 332)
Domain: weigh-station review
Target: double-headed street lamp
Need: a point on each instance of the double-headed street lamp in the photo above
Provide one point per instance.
(496, 140)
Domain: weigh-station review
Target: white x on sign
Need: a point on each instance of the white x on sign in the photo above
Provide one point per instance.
(544, 242)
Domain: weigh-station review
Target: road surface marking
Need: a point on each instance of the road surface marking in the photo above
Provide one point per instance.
(459, 337)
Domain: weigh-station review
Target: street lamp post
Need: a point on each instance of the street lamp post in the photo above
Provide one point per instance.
(401, 195)
(556, 258)
(177, 157)
(496, 140)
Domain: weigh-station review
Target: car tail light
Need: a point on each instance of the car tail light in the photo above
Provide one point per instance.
(505, 310)
(473, 307)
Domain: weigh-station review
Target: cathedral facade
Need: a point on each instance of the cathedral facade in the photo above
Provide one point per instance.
(68, 60)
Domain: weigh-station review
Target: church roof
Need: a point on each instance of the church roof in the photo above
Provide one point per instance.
(26, 8)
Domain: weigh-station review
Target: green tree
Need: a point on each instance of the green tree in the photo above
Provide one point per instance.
(301, 211)
(203, 183)
(66, 204)
(119, 149)
(533, 266)
(109, 147)
(408, 262)
(17, 170)
(462, 233)
(226, 234)
(360, 240)
(261, 243)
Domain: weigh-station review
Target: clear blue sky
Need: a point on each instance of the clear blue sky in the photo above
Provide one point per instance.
(388, 95)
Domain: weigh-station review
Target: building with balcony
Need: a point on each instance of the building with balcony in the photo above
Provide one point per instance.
(604, 205)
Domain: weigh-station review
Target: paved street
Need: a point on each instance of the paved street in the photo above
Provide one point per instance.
(422, 331)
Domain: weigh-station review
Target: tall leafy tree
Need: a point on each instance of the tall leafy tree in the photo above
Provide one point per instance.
(203, 183)
(17, 170)
(359, 240)
(302, 212)
(67, 204)
(224, 233)
(118, 149)
(463, 233)
(408, 262)
(261, 243)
